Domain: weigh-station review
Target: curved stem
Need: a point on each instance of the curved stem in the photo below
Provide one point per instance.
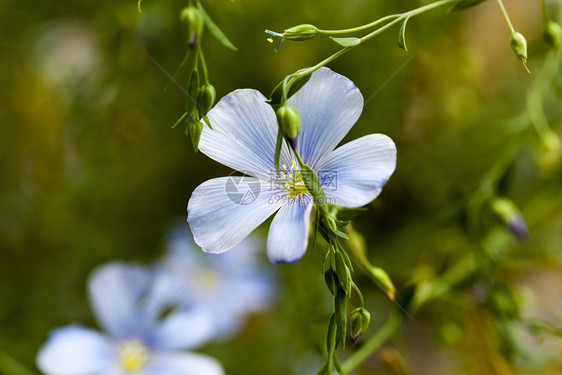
(203, 64)
(544, 12)
(373, 343)
(359, 28)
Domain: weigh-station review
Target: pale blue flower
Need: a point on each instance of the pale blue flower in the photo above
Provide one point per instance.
(228, 287)
(244, 136)
(136, 342)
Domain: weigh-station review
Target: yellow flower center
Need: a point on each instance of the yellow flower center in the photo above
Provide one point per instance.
(132, 355)
(291, 179)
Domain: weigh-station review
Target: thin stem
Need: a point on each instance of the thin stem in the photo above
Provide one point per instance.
(359, 28)
(203, 64)
(506, 16)
(373, 343)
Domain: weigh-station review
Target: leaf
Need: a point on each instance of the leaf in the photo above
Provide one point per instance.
(278, 147)
(402, 35)
(347, 42)
(179, 70)
(348, 214)
(180, 120)
(192, 92)
(277, 93)
(463, 4)
(215, 30)
(341, 316)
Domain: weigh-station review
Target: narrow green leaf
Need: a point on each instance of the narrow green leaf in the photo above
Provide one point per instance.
(192, 92)
(180, 120)
(402, 35)
(347, 42)
(344, 276)
(179, 70)
(348, 214)
(341, 316)
(277, 93)
(215, 30)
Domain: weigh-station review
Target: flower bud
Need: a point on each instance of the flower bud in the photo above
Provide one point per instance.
(552, 34)
(300, 33)
(289, 121)
(207, 95)
(507, 211)
(519, 46)
(358, 322)
(194, 23)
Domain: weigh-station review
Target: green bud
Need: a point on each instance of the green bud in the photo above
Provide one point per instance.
(194, 22)
(358, 322)
(552, 34)
(207, 95)
(519, 46)
(508, 213)
(195, 127)
(289, 120)
(301, 32)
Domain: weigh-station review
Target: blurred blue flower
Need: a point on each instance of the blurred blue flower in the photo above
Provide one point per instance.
(223, 211)
(137, 341)
(227, 287)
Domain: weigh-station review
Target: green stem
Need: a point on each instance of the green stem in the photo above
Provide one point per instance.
(203, 64)
(398, 18)
(359, 28)
(373, 343)
(506, 16)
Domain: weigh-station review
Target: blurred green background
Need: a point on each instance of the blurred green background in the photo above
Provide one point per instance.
(90, 171)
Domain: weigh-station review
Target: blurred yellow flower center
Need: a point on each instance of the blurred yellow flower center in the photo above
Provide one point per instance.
(291, 179)
(132, 355)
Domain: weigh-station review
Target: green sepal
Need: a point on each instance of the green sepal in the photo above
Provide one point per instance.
(341, 316)
(195, 129)
(347, 42)
(277, 94)
(215, 30)
(206, 119)
(328, 262)
(341, 234)
(192, 92)
(402, 35)
(463, 4)
(331, 280)
(343, 273)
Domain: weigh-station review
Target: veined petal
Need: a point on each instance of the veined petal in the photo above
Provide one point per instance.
(244, 133)
(75, 350)
(329, 104)
(223, 211)
(184, 329)
(354, 174)
(182, 364)
(115, 290)
(288, 234)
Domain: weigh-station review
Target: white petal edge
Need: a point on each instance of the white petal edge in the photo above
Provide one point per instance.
(288, 233)
(329, 105)
(244, 133)
(115, 290)
(355, 173)
(182, 364)
(219, 222)
(75, 350)
(184, 329)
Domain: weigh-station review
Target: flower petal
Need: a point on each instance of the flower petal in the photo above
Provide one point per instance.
(288, 234)
(223, 211)
(75, 350)
(329, 105)
(244, 133)
(184, 329)
(115, 290)
(182, 363)
(354, 174)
